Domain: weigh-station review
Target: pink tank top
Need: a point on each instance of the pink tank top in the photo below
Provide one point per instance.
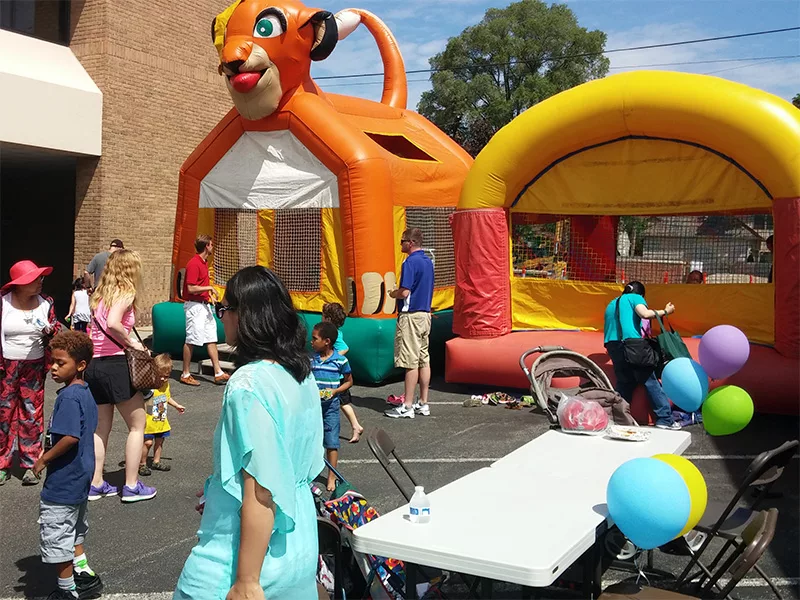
(102, 345)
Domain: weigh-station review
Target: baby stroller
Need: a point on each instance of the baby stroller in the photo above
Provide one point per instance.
(556, 362)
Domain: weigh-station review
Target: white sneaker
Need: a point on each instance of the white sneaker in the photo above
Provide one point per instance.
(422, 409)
(399, 412)
(674, 426)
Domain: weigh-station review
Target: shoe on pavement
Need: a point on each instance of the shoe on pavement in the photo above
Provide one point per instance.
(160, 466)
(396, 400)
(3, 476)
(221, 379)
(145, 471)
(89, 586)
(60, 594)
(189, 380)
(422, 409)
(28, 478)
(138, 493)
(95, 493)
(674, 426)
(399, 412)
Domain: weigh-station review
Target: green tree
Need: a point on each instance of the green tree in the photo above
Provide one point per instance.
(796, 100)
(514, 58)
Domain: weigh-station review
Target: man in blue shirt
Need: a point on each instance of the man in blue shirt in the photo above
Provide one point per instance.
(413, 325)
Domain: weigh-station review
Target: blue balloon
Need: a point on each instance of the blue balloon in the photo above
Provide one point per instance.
(649, 501)
(685, 383)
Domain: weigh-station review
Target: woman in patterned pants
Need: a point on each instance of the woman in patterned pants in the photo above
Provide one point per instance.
(27, 321)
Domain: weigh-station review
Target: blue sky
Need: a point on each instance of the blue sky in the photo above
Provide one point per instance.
(422, 28)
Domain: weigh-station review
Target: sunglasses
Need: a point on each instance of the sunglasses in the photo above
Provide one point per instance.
(221, 309)
(405, 241)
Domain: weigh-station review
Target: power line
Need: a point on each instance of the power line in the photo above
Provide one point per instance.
(581, 55)
(756, 64)
(762, 60)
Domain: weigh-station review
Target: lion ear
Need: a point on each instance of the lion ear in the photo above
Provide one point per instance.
(214, 29)
(326, 35)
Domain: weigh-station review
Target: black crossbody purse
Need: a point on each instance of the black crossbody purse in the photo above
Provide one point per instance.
(641, 352)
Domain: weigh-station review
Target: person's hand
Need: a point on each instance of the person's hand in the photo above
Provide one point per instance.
(38, 467)
(137, 345)
(212, 294)
(201, 503)
(181, 409)
(250, 590)
(669, 308)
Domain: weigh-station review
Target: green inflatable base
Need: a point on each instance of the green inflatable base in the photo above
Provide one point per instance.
(371, 341)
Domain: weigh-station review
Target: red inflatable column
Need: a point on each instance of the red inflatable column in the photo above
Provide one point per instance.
(593, 248)
(786, 275)
(482, 306)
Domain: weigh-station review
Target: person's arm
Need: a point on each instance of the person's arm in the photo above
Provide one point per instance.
(347, 383)
(343, 352)
(115, 328)
(258, 519)
(193, 278)
(400, 293)
(71, 306)
(646, 313)
(62, 447)
(180, 408)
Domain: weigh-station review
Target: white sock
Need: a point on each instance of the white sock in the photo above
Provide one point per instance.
(219, 374)
(68, 585)
(80, 564)
(185, 375)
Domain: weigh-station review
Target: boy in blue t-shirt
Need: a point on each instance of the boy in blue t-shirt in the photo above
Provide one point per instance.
(333, 312)
(69, 459)
(332, 372)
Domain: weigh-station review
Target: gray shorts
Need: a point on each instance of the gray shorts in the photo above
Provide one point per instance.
(61, 528)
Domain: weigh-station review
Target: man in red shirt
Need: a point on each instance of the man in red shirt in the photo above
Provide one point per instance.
(201, 327)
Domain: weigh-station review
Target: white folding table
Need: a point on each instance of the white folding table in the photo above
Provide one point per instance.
(523, 520)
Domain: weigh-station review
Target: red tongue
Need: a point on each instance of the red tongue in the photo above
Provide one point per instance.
(244, 82)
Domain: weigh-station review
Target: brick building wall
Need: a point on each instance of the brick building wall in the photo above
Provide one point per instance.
(156, 65)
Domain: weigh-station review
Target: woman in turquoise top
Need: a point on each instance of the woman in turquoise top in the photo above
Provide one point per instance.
(623, 321)
(258, 533)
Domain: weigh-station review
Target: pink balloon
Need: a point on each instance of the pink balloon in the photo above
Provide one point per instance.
(724, 350)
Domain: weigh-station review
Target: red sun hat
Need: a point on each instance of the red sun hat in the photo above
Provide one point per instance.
(25, 272)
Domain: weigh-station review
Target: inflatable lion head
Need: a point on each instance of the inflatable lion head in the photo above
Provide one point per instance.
(266, 48)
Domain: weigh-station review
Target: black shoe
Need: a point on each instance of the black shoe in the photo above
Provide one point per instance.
(89, 586)
(60, 594)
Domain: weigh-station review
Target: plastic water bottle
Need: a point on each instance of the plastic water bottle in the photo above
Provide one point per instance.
(419, 507)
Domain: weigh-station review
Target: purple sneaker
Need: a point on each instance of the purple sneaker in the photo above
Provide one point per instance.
(95, 493)
(139, 493)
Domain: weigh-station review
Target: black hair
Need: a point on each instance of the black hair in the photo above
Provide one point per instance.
(327, 331)
(78, 284)
(334, 312)
(78, 345)
(634, 287)
(269, 327)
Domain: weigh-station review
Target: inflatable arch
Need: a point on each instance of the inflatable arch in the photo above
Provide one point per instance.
(653, 144)
(319, 187)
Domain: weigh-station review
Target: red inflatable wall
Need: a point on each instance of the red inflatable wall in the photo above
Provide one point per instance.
(593, 248)
(786, 268)
(482, 305)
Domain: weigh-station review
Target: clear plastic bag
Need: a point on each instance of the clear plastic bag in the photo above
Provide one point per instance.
(576, 415)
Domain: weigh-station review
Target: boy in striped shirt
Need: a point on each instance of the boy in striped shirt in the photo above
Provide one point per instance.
(332, 372)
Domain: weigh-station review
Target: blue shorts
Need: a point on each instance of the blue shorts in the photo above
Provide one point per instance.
(330, 423)
(152, 436)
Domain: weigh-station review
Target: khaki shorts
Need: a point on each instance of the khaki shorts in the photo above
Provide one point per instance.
(61, 528)
(411, 340)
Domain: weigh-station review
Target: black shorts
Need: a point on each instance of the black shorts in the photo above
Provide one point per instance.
(109, 380)
(345, 398)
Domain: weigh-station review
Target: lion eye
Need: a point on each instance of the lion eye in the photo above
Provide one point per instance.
(268, 27)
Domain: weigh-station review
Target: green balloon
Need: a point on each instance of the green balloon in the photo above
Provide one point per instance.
(727, 409)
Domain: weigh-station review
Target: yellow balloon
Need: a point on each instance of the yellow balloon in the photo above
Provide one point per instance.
(698, 493)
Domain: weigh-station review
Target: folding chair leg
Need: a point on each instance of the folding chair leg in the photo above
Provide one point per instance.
(769, 581)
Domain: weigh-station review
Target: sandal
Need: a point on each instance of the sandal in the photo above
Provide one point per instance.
(396, 400)
(159, 466)
(3, 476)
(29, 478)
(144, 470)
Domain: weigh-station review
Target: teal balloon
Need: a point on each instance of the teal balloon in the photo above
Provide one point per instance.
(649, 501)
(685, 383)
(728, 409)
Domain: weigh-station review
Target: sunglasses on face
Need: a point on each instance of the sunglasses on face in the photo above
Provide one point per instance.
(221, 309)
(405, 241)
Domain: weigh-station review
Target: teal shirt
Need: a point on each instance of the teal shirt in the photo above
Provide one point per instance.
(271, 427)
(630, 321)
(340, 344)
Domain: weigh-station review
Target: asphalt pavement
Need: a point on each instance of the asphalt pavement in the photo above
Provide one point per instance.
(139, 549)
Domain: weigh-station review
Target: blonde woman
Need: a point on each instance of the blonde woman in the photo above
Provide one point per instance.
(113, 307)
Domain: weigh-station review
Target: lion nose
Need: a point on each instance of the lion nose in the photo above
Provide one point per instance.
(234, 65)
(236, 51)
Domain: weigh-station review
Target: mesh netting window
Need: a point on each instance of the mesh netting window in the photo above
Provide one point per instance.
(235, 242)
(297, 254)
(437, 240)
(719, 248)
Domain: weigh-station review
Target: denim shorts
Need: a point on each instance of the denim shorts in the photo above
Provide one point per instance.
(330, 423)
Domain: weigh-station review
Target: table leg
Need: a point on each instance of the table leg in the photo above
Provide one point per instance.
(592, 571)
(411, 581)
(486, 589)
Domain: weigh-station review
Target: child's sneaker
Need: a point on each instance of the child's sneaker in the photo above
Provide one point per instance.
(95, 493)
(138, 493)
(60, 594)
(674, 426)
(89, 586)
(422, 409)
(396, 400)
(400, 412)
(3, 476)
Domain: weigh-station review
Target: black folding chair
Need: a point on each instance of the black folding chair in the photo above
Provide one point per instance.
(330, 544)
(383, 447)
(756, 537)
(728, 521)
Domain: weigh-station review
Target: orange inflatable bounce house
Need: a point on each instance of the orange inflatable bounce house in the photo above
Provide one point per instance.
(318, 187)
(670, 179)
